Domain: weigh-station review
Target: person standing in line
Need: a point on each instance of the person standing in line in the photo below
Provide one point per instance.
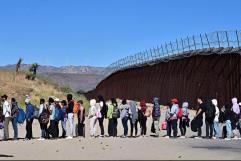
(142, 117)
(115, 116)
(199, 116)
(14, 114)
(174, 111)
(64, 119)
(156, 114)
(228, 115)
(7, 116)
(235, 118)
(103, 111)
(133, 118)
(124, 115)
(168, 120)
(209, 118)
(93, 117)
(183, 119)
(111, 121)
(216, 120)
(81, 118)
(70, 115)
(52, 127)
(29, 119)
(43, 119)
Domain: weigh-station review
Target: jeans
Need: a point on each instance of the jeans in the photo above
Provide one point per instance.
(63, 124)
(6, 128)
(174, 127)
(157, 125)
(93, 121)
(143, 125)
(182, 126)
(102, 130)
(229, 129)
(115, 127)
(216, 129)
(71, 124)
(15, 127)
(134, 125)
(209, 129)
(44, 130)
(169, 128)
(125, 125)
(29, 134)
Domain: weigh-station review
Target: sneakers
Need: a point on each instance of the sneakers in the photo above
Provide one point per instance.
(41, 139)
(227, 139)
(166, 137)
(197, 137)
(69, 137)
(182, 137)
(235, 138)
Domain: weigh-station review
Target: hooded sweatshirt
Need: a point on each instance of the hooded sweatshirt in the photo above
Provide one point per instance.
(156, 108)
(235, 106)
(92, 110)
(174, 110)
(185, 109)
(124, 110)
(133, 111)
(215, 103)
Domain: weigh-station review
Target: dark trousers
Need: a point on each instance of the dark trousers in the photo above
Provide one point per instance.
(102, 130)
(57, 128)
(29, 134)
(115, 126)
(182, 126)
(125, 125)
(209, 129)
(174, 127)
(111, 127)
(44, 130)
(143, 125)
(169, 128)
(134, 125)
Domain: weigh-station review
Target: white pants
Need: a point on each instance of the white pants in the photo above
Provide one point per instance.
(71, 124)
(93, 121)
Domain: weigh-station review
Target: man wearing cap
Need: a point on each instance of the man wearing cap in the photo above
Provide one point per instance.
(7, 116)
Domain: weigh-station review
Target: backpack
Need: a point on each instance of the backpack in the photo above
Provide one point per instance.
(116, 112)
(21, 116)
(76, 107)
(58, 114)
(44, 117)
(210, 113)
(180, 113)
(35, 113)
(156, 111)
(164, 125)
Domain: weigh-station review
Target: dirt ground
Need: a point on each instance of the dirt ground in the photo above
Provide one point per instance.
(119, 148)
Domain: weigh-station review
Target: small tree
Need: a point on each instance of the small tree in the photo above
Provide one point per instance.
(18, 65)
(32, 72)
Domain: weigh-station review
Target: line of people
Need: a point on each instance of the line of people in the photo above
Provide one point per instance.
(49, 115)
(222, 122)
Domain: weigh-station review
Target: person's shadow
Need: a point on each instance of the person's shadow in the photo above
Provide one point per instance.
(5, 156)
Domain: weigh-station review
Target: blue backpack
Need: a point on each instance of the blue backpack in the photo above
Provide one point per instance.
(21, 116)
(58, 114)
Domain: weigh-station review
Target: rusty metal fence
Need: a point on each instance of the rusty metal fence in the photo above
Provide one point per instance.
(218, 39)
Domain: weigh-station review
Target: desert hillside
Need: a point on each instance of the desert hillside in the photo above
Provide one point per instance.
(17, 86)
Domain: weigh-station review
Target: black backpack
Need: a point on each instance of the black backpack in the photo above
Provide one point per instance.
(44, 117)
(116, 112)
(210, 112)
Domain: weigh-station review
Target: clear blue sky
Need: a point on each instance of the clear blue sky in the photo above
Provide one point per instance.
(98, 32)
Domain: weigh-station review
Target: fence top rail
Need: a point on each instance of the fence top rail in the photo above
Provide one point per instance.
(217, 39)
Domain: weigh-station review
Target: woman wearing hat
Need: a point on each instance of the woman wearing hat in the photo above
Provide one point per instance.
(173, 113)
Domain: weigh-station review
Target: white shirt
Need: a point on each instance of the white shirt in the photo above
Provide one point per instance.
(6, 109)
(216, 114)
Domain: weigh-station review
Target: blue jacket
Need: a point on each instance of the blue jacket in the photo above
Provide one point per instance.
(29, 111)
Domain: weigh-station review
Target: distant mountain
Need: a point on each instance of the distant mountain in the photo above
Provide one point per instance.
(78, 78)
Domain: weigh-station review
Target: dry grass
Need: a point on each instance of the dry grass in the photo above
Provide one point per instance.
(18, 87)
